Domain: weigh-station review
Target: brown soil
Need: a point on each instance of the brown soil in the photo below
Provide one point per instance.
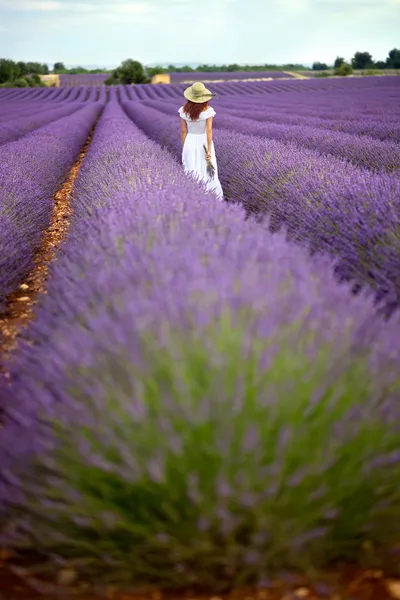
(351, 584)
(344, 582)
(20, 305)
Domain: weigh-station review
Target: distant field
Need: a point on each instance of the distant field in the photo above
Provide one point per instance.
(88, 79)
(356, 73)
(188, 78)
(95, 80)
(224, 76)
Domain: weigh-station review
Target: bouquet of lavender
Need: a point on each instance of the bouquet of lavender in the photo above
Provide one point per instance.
(210, 166)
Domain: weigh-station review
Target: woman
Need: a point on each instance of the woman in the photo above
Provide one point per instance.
(198, 154)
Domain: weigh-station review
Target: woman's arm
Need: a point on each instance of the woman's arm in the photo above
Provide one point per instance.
(209, 137)
(183, 131)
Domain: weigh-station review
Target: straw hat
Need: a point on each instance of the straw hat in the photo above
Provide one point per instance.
(198, 93)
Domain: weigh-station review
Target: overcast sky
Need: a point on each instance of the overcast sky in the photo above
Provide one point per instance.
(105, 32)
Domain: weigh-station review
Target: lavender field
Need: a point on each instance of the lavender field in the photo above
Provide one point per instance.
(83, 79)
(209, 392)
(190, 76)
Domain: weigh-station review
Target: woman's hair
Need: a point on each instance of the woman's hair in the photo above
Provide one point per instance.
(194, 109)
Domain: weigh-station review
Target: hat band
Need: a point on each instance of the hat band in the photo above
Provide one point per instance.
(200, 94)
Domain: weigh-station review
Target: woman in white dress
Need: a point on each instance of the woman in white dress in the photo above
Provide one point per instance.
(198, 153)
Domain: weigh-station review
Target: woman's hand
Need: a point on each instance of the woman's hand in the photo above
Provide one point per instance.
(208, 156)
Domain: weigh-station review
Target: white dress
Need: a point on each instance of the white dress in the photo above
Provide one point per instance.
(193, 153)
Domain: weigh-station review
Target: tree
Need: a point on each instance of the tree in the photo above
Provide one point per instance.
(338, 62)
(380, 64)
(393, 60)
(23, 67)
(58, 66)
(318, 66)
(130, 71)
(344, 69)
(9, 70)
(362, 60)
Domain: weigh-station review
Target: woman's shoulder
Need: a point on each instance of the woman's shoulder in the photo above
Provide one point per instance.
(209, 112)
(182, 113)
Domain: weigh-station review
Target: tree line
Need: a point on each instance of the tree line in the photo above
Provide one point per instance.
(361, 61)
(27, 74)
(24, 74)
(21, 74)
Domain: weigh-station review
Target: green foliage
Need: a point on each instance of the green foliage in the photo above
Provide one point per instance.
(324, 74)
(20, 82)
(151, 71)
(129, 72)
(191, 471)
(59, 67)
(27, 81)
(362, 60)
(112, 80)
(318, 66)
(14, 74)
(371, 72)
(338, 62)
(77, 70)
(344, 70)
(35, 81)
(393, 60)
(9, 70)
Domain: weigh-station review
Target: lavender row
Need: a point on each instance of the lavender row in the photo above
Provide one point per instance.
(384, 127)
(332, 205)
(165, 312)
(351, 95)
(379, 129)
(13, 129)
(8, 102)
(31, 171)
(362, 151)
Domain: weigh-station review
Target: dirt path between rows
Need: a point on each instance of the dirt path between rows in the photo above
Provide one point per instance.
(20, 304)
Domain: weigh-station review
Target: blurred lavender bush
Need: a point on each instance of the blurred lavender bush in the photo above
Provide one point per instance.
(203, 403)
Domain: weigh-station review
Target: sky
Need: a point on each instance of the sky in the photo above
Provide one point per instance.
(106, 32)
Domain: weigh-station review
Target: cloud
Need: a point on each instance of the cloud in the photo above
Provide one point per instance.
(119, 12)
(31, 5)
(136, 8)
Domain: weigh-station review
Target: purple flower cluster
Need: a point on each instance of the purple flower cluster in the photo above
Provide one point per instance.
(193, 376)
(31, 171)
(328, 203)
